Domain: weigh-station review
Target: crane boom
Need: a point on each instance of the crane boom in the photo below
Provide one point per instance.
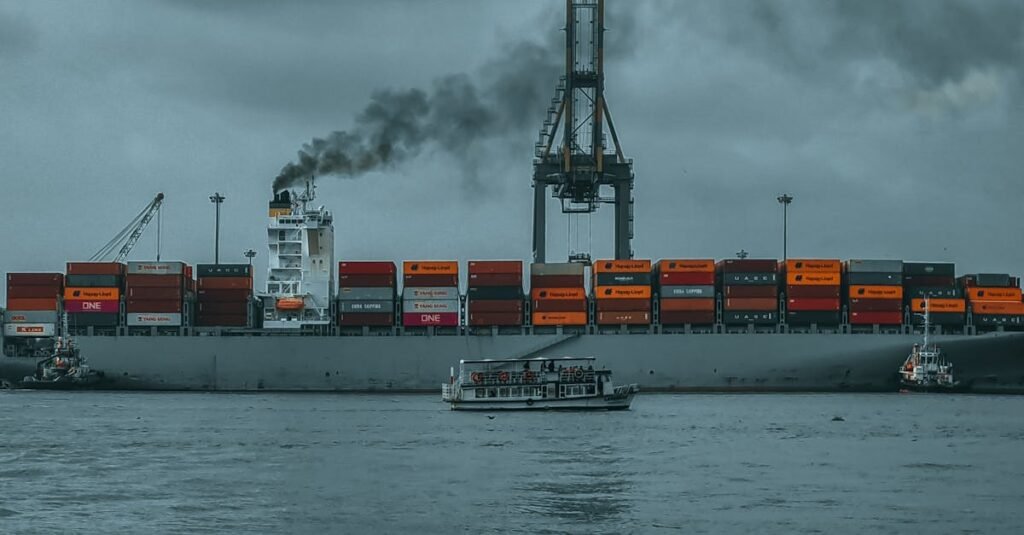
(130, 234)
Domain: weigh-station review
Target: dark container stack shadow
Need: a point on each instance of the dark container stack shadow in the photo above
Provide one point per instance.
(366, 294)
(750, 290)
(495, 293)
(224, 295)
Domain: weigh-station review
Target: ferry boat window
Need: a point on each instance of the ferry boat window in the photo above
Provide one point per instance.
(503, 392)
(516, 392)
(480, 393)
(492, 392)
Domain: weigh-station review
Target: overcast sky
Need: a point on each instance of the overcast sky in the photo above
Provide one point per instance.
(897, 126)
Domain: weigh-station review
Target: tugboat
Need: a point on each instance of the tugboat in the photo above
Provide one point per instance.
(926, 368)
(65, 369)
(567, 383)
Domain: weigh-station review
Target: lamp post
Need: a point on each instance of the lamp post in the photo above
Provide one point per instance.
(249, 254)
(217, 199)
(784, 200)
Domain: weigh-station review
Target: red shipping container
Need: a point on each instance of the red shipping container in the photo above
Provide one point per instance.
(495, 305)
(556, 281)
(232, 296)
(623, 318)
(496, 266)
(623, 305)
(28, 305)
(366, 281)
(747, 265)
(876, 318)
(166, 306)
(35, 279)
(222, 307)
(154, 281)
(810, 304)
(430, 281)
(95, 268)
(758, 304)
(33, 292)
(751, 291)
(687, 305)
(367, 268)
(495, 318)
(687, 279)
(560, 305)
(690, 317)
(439, 319)
(876, 305)
(225, 283)
(93, 306)
(813, 292)
(477, 280)
(158, 294)
(369, 319)
(222, 320)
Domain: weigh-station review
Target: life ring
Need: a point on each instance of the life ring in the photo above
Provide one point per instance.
(528, 376)
(503, 377)
(529, 402)
(476, 377)
(578, 373)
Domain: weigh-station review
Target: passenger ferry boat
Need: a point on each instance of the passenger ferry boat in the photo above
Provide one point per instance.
(566, 383)
(926, 368)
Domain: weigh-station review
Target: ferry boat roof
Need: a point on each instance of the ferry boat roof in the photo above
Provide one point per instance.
(534, 359)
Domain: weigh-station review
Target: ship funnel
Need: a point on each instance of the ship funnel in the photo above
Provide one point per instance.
(281, 204)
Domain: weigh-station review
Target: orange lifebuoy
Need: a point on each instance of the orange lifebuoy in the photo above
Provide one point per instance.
(503, 377)
(578, 373)
(476, 377)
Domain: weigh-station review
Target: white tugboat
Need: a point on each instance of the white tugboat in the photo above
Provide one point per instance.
(926, 369)
(65, 369)
(566, 383)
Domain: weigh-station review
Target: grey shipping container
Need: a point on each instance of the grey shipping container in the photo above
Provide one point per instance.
(223, 270)
(1000, 280)
(368, 294)
(151, 319)
(156, 268)
(750, 279)
(874, 279)
(93, 320)
(939, 292)
(936, 269)
(432, 305)
(347, 306)
(30, 316)
(92, 281)
(687, 291)
(623, 279)
(733, 317)
(874, 266)
(556, 269)
(441, 292)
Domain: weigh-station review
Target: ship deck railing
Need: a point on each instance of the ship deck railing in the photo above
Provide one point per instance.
(526, 377)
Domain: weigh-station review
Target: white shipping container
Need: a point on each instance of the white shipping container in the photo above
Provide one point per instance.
(160, 319)
(31, 316)
(30, 329)
(156, 268)
(446, 293)
(434, 305)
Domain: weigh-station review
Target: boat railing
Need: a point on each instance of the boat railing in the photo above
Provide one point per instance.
(526, 377)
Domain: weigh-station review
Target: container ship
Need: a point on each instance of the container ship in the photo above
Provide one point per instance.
(363, 325)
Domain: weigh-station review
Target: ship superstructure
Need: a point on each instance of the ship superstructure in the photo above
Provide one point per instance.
(300, 275)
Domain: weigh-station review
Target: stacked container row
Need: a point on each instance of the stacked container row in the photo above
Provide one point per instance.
(430, 295)
(995, 300)
(558, 295)
(495, 293)
(875, 290)
(32, 304)
(366, 293)
(92, 294)
(686, 291)
(224, 295)
(622, 292)
(935, 282)
(750, 290)
(156, 293)
(812, 291)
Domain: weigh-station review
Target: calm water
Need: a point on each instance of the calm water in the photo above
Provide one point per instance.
(135, 462)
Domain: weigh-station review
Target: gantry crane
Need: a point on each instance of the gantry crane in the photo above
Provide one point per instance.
(131, 233)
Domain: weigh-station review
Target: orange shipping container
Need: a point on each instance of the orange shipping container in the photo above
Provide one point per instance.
(979, 293)
(812, 278)
(92, 294)
(622, 292)
(543, 294)
(32, 304)
(430, 268)
(813, 265)
(686, 266)
(877, 292)
(997, 307)
(560, 318)
(687, 305)
(939, 305)
(622, 266)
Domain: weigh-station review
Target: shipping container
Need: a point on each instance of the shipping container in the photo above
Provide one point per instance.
(158, 319)
(807, 317)
(156, 268)
(877, 292)
(992, 320)
(366, 319)
(76, 321)
(979, 293)
(369, 281)
(623, 318)
(225, 283)
(735, 265)
(941, 269)
(499, 319)
(75, 293)
(686, 305)
(813, 292)
(430, 268)
(928, 280)
(756, 317)
(503, 267)
(920, 292)
(92, 306)
(622, 266)
(431, 280)
(368, 268)
(997, 307)
(559, 318)
(875, 318)
(33, 292)
(750, 279)
(366, 306)
(687, 317)
(29, 330)
(93, 281)
(875, 266)
(812, 279)
(495, 292)
(992, 280)
(155, 294)
(623, 279)
(623, 305)
(939, 305)
(874, 279)
(35, 279)
(622, 292)
(496, 305)
(698, 292)
(495, 279)
(811, 304)
(95, 268)
(427, 319)
(431, 306)
(207, 308)
(231, 296)
(446, 293)
(556, 281)
(941, 318)
(165, 307)
(687, 279)
(223, 270)
(31, 316)
(34, 304)
(813, 265)
(155, 281)
(547, 270)
(752, 303)
(367, 294)
(686, 266)
(876, 305)
(750, 291)
(558, 293)
(560, 305)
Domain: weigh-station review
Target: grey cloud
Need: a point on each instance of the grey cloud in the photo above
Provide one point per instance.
(17, 36)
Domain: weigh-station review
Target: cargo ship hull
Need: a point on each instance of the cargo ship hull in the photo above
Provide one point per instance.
(991, 362)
